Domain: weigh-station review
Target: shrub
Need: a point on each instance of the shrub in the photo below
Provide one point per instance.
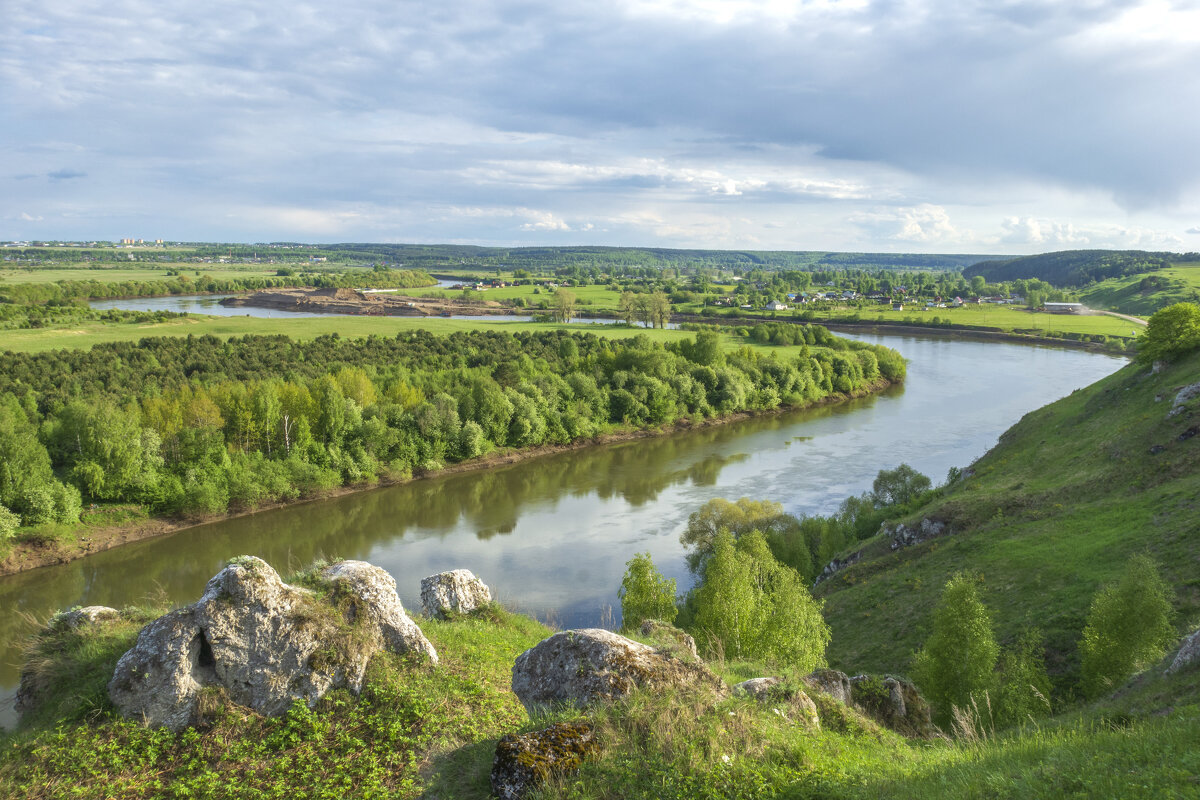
(748, 605)
(1171, 332)
(9, 522)
(956, 664)
(645, 593)
(1128, 627)
(1024, 691)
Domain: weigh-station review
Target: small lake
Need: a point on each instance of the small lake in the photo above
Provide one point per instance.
(551, 535)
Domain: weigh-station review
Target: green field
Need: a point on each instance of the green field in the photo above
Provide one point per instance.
(120, 274)
(86, 334)
(1008, 318)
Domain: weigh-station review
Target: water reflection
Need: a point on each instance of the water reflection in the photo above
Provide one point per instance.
(551, 535)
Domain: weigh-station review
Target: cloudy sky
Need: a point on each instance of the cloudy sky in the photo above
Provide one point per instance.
(991, 126)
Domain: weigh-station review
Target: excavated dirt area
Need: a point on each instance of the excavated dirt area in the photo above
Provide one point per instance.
(352, 301)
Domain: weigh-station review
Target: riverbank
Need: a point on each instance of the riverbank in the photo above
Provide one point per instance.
(85, 541)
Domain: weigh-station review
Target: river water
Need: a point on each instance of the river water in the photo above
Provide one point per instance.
(551, 535)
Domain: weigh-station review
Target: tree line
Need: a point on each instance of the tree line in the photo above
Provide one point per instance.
(197, 424)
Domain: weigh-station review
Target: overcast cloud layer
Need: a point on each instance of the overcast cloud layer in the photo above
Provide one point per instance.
(941, 126)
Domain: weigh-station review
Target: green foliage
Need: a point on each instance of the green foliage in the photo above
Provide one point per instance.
(645, 593)
(748, 605)
(1128, 627)
(899, 486)
(719, 515)
(955, 665)
(9, 522)
(1170, 333)
(1024, 690)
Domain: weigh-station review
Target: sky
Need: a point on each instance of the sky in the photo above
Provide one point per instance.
(941, 126)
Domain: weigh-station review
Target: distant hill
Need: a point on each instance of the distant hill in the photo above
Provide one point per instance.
(442, 256)
(1072, 267)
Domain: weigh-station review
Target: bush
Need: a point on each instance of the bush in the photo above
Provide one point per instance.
(1171, 332)
(9, 522)
(1128, 627)
(748, 605)
(645, 593)
(956, 664)
(1024, 691)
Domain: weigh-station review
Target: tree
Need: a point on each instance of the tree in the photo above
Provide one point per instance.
(1170, 333)
(1024, 691)
(719, 515)
(645, 593)
(898, 486)
(1128, 627)
(748, 605)
(564, 305)
(957, 661)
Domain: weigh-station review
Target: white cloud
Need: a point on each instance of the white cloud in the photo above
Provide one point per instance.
(1195, 230)
(922, 224)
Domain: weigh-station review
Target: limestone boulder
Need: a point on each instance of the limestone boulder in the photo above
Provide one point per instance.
(524, 761)
(1183, 397)
(266, 643)
(455, 592)
(667, 637)
(794, 704)
(832, 682)
(758, 688)
(893, 702)
(33, 685)
(590, 665)
(1189, 653)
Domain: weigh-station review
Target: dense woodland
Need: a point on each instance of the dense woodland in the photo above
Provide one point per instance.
(198, 424)
(1073, 268)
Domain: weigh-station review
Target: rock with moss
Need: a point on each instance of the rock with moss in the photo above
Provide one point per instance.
(591, 665)
(832, 682)
(1188, 655)
(33, 686)
(455, 592)
(267, 644)
(524, 761)
(895, 703)
(669, 638)
(797, 705)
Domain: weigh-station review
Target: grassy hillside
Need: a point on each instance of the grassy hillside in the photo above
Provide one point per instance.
(1143, 294)
(1048, 516)
(1071, 267)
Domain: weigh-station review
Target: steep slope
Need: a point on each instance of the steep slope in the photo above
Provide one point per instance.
(1071, 267)
(1046, 517)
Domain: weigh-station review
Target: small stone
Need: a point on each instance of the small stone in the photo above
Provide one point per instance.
(455, 592)
(524, 761)
(1189, 653)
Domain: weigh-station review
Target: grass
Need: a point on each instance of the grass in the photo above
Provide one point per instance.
(120, 274)
(1050, 515)
(418, 730)
(1148, 292)
(1006, 318)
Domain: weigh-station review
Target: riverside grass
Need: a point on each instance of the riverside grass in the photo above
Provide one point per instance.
(421, 731)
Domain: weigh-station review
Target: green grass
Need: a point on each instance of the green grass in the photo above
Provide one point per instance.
(119, 274)
(86, 334)
(1146, 293)
(1007, 318)
(418, 730)
(1051, 514)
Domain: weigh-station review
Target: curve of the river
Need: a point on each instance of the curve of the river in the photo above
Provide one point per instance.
(551, 535)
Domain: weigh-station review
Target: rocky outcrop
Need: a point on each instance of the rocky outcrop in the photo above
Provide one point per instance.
(524, 761)
(590, 665)
(33, 686)
(832, 682)
(1189, 653)
(894, 703)
(835, 566)
(670, 639)
(455, 592)
(796, 704)
(904, 536)
(266, 643)
(1185, 395)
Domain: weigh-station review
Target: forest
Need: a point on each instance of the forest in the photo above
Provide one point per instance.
(200, 425)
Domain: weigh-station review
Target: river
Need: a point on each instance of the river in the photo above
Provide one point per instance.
(551, 535)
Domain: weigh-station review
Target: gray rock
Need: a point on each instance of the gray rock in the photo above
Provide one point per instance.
(904, 536)
(456, 592)
(893, 702)
(1189, 653)
(758, 688)
(671, 639)
(835, 566)
(32, 688)
(589, 665)
(832, 682)
(1185, 395)
(524, 761)
(267, 644)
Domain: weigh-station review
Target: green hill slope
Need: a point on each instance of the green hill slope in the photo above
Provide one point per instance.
(1048, 516)
(1071, 267)
(1144, 294)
